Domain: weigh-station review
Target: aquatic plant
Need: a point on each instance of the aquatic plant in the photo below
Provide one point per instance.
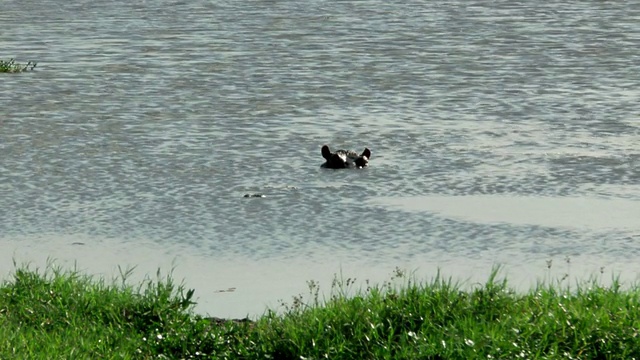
(10, 66)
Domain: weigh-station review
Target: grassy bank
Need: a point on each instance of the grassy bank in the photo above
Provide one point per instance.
(64, 315)
(10, 66)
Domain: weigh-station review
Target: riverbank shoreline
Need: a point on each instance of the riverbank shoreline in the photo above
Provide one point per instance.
(56, 313)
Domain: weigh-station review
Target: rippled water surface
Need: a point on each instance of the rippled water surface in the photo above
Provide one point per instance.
(145, 123)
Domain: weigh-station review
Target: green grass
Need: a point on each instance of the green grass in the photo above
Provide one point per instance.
(10, 66)
(62, 314)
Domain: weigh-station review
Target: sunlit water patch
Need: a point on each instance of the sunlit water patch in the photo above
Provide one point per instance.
(559, 212)
(526, 227)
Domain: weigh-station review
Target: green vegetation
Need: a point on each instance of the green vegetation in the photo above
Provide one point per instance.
(10, 66)
(64, 315)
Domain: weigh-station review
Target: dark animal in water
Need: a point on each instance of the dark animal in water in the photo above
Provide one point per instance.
(342, 159)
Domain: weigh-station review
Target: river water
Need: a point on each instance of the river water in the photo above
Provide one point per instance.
(502, 132)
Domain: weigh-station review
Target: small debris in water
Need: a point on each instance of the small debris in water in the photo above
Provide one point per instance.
(231, 289)
(254, 195)
(77, 243)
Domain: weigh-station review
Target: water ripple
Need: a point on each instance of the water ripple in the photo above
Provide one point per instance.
(152, 120)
